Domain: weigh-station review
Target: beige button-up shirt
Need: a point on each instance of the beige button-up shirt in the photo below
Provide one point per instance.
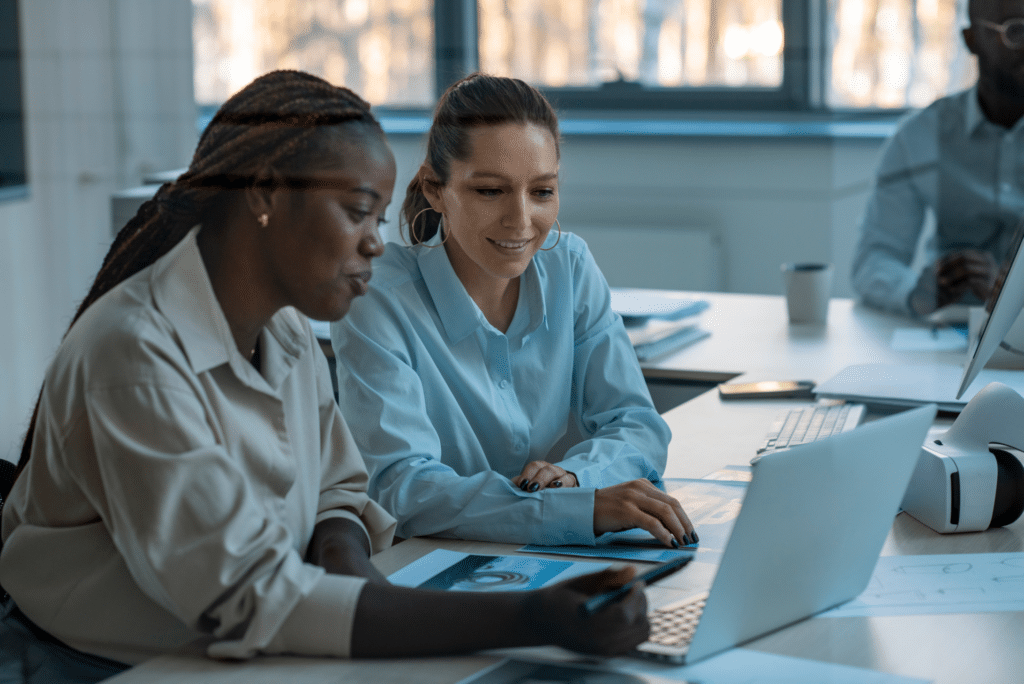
(173, 488)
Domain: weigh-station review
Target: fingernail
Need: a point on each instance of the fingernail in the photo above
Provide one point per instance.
(533, 487)
(522, 485)
(557, 483)
(675, 543)
(696, 539)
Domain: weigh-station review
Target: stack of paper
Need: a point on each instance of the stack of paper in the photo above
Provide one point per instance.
(658, 322)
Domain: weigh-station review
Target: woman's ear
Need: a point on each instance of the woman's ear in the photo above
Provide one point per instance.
(431, 187)
(259, 195)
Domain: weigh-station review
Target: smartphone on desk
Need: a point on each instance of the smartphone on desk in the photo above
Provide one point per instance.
(767, 389)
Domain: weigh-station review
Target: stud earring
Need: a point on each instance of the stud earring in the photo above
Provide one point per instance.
(263, 220)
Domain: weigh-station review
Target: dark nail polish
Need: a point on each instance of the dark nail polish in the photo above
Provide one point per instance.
(675, 543)
(533, 487)
(696, 539)
(522, 485)
(557, 483)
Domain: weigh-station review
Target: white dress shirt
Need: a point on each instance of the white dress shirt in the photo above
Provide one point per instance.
(951, 160)
(173, 488)
(446, 409)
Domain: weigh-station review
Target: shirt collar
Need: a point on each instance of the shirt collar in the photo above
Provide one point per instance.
(459, 314)
(184, 294)
(973, 115)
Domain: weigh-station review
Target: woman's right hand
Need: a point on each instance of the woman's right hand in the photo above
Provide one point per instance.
(557, 616)
(638, 503)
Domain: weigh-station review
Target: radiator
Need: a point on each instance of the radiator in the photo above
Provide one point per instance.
(670, 258)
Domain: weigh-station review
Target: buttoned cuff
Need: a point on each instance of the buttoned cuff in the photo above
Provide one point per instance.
(567, 516)
(322, 620)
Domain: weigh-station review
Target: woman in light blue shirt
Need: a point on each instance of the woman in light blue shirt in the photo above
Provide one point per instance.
(479, 345)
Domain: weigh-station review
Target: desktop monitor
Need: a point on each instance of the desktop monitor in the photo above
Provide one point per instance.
(1001, 310)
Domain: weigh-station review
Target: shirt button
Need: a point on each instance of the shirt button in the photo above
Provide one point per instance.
(503, 384)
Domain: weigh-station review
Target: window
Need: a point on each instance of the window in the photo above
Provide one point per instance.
(12, 132)
(599, 54)
(382, 49)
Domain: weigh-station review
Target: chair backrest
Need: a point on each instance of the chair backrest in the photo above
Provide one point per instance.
(8, 473)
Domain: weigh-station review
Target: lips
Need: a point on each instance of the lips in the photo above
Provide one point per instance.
(360, 281)
(511, 245)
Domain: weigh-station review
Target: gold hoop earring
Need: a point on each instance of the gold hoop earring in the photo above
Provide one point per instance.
(440, 229)
(263, 219)
(557, 240)
(412, 227)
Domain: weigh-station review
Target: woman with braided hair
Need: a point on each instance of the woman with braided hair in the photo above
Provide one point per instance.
(187, 473)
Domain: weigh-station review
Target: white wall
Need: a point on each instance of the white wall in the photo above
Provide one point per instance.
(108, 96)
(768, 200)
(108, 90)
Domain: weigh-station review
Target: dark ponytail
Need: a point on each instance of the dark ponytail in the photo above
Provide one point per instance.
(476, 100)
(274, 123)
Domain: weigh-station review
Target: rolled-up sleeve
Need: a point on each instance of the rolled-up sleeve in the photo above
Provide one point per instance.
(892, 224)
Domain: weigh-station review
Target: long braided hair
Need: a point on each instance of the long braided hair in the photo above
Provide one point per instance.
(270, 125)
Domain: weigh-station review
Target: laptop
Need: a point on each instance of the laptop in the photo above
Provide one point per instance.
(806, 539)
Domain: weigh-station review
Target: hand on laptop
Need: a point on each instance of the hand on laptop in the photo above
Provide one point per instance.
(541, 474)
(557, 614)
(639, 503)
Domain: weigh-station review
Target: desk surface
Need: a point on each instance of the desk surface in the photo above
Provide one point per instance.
(751, 337)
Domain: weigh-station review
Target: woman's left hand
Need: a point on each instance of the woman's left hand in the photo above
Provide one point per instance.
(538, 475)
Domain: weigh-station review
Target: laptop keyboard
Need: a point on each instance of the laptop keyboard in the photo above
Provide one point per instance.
(809, 424)
(674, 624)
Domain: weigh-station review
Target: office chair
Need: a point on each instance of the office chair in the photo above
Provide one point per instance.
(8, 473)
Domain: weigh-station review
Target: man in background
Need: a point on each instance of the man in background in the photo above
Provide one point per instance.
(962, 158)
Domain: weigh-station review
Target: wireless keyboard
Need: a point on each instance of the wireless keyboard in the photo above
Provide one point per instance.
(809, 424)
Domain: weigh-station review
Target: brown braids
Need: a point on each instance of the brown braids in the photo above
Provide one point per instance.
(271, 124)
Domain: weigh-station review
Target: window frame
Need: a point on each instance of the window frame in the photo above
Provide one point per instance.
(803, 69)
(12, 102)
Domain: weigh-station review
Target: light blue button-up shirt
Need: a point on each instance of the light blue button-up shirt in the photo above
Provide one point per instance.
(446, 409)
(948, 159)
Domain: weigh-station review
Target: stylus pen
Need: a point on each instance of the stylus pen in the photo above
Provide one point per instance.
(651, 576)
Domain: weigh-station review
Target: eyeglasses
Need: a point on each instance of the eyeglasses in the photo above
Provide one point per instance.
(1011, 31)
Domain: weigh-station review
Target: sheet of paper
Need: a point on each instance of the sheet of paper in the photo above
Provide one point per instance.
(456, 571)
(925, 339)
(712, 506)
(744, 666)
(529, 671)
(937, 584)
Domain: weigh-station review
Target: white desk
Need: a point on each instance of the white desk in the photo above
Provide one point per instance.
(751, 336)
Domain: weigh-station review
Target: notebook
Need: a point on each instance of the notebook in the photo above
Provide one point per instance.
(808, 535)
(636, 304)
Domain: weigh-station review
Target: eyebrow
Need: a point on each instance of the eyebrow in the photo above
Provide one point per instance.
(490, 174)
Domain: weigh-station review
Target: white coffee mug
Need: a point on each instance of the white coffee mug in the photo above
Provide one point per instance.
(808, 289)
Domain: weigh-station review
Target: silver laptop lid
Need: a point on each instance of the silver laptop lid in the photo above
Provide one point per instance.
(811, 528)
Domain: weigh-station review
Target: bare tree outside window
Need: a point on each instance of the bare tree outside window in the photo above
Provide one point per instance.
(879, 53)
(382, 49)
(897, 53)
(658, 43)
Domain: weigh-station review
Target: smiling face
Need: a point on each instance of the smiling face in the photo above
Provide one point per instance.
(1001, 69)
(321, 237)
(499, 203)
